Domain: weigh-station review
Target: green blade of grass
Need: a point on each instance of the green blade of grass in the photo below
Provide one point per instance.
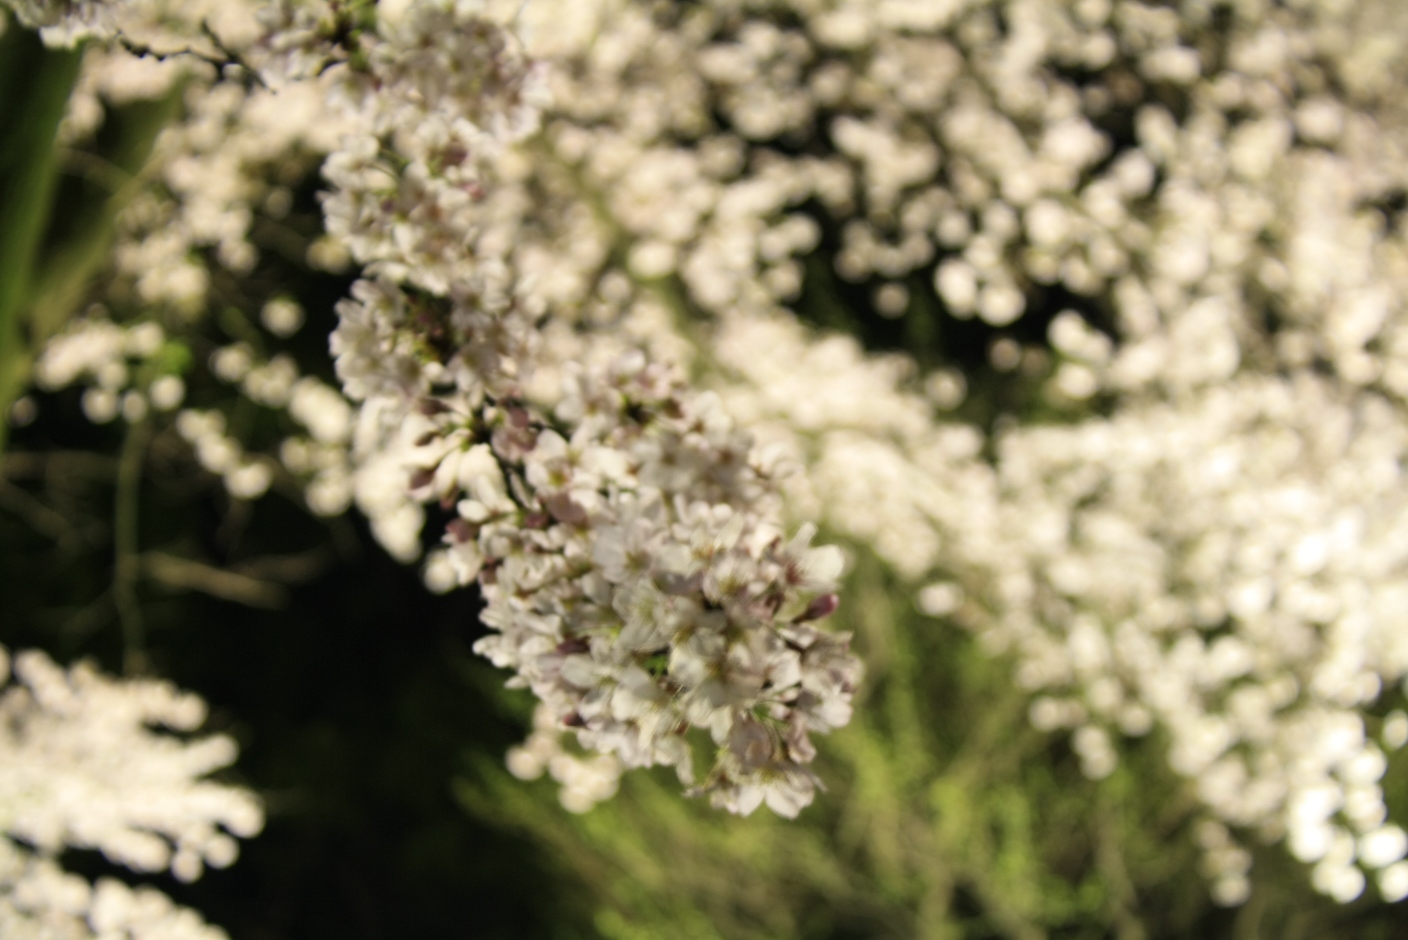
(34, 84)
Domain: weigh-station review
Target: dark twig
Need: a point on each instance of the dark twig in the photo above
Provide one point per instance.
(227, 57)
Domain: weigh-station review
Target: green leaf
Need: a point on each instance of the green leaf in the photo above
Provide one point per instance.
(34, 84)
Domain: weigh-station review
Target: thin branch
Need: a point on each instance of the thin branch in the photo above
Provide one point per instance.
(94, 169)
(190, 575)
(36, 515)
(287, 569)
(18, 465)
(126, 561)
(90, 618)
(226, 58)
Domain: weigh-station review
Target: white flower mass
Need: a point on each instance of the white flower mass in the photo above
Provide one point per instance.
(572, 336)
(82, 766)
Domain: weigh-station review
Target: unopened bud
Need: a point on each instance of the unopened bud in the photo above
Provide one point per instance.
(822, 606)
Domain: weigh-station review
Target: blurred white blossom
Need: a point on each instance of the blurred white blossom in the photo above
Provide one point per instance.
(82, 765)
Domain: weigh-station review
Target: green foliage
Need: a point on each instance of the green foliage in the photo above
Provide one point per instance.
(34, 86)
(57, 204)
(948, 816)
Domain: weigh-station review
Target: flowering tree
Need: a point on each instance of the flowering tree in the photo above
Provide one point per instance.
(1123, 399)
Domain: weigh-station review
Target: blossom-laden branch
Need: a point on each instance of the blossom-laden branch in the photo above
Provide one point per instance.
(626, 537)
(625, 542)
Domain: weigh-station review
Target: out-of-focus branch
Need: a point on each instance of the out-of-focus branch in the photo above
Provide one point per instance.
(94, 169)
(187, 574)
(126, 561)
(287, 569)
(22, 466)
(36, 515)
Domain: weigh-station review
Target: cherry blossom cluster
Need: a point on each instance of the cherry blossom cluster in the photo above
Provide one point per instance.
(443, 89)
(83, 767)
(624, 541)
(1145, 159)
(128, 370)
(625, 538)
(1231, 568)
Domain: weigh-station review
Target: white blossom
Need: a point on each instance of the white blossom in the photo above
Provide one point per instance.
(84, 767)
